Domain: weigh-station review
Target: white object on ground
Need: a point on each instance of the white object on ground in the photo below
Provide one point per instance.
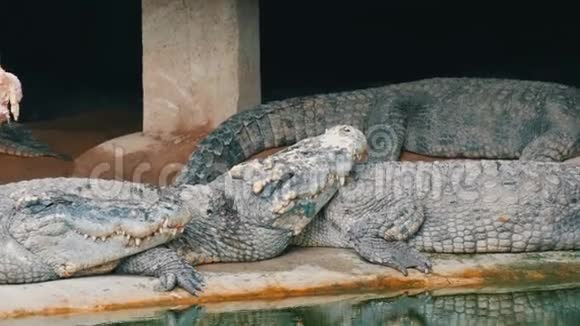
(10, 95)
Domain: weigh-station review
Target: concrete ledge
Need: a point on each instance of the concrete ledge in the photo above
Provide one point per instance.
(301, 272)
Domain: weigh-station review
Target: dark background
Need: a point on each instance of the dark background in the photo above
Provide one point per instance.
(73, 55)
(84, 55)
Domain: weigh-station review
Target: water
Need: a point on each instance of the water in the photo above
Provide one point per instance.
(555, 307)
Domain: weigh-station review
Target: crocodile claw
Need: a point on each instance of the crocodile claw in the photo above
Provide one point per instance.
(170, 269)
(398, 255)
(185, 277)
(404, 257)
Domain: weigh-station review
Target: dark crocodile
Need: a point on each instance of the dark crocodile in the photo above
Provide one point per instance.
(15, 139)
(442, 117)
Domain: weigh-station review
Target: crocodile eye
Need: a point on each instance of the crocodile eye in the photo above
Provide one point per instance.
(347, 129)
(209, 211)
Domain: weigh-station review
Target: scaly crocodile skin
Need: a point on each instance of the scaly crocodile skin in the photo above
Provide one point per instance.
(389, 212)
(16, 140)
(443, 117)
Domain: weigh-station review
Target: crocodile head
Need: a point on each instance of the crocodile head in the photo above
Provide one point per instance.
(71, 235)
(286, 190)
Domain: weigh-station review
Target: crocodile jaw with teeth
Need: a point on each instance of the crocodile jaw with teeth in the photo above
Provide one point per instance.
(62, 227)
(136, 240)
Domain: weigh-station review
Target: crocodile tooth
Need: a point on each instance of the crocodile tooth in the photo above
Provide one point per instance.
(287, 208)
(137, 242)
(94, 238)
(258, 186)
(148, 238)
(277, 208)
(280, 206)
(268, 163)
(236, 171)
(86, 236)
(342, 180)
(174, 232)
(128, 237)
(103, 238)
(181, 230)
(289, 196)
(166, 222)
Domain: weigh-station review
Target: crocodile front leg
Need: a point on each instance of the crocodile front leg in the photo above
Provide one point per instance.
(395, 254)
(17, 265)
(165, 264)
(380, 237)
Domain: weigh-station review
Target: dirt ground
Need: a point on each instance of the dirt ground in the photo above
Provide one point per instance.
(154, 161)
(72, 135)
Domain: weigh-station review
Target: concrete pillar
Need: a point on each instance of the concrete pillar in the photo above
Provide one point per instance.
(201, 62)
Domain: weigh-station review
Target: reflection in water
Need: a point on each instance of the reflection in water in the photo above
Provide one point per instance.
(557, 307)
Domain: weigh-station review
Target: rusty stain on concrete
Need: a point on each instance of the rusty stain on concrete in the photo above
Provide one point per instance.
(302, 272)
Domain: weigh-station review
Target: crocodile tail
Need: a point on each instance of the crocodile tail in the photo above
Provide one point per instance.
(16, 140)
(271, 125)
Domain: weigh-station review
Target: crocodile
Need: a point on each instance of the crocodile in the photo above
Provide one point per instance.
(55, 228)
(63, 227)
(395, 213)
(17, 140)
(442, 117)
